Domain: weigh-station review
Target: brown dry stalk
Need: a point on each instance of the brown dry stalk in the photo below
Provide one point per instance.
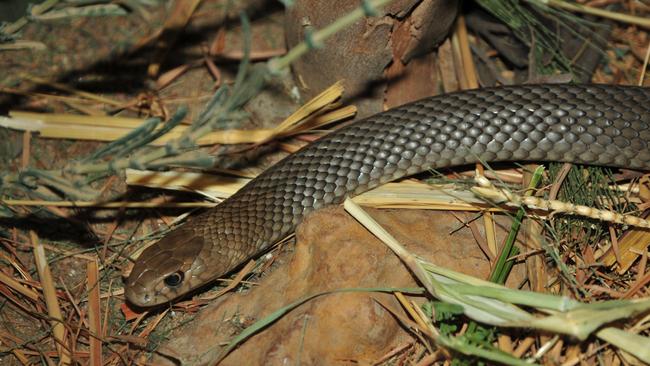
(49, 292)
(467, 62)
(487, 190)
(18, 287)
(94, 313)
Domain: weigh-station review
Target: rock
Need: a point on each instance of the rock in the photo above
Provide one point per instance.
(333, 251)
(361, 53)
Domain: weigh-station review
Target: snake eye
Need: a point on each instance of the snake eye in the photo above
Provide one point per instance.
(174, 279)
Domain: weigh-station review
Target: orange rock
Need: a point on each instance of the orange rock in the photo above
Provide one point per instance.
(333, 251)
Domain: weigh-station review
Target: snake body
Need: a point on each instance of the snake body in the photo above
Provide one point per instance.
(589, 124)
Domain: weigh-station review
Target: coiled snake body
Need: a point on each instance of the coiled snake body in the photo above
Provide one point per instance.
(590, 124)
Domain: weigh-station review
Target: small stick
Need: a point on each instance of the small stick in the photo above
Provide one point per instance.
(49, 292)
(94, 312)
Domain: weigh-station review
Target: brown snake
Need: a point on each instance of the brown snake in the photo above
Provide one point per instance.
(589, 124)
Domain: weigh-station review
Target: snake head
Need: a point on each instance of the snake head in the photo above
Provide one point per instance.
(166, 270)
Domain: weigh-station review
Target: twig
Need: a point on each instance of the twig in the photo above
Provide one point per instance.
(94, 314)
(645, 65)
(49, 292)
(630, 19)
(501, 196)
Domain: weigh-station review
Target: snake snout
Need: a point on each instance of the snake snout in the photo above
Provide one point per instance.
(164, 270)
(138, 296)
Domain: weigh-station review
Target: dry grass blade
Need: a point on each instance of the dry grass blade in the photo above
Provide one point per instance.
(153, 324)
(66, 88)
(571, 6)
(319, 120)
(422, 321)
(216, 186)
(622, 251)
(103, 128)
(490, 232)
(27, 142)
(94, 313)
(168, 77)
(71, 126)
(644, 67)
(18, 287)
(49, 292)
(467, 62)
(113, 205)
(421, 196)
(21, 354)
(61, 120)
(319, 103)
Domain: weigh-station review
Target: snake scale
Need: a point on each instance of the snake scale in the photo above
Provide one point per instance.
(588, 124)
